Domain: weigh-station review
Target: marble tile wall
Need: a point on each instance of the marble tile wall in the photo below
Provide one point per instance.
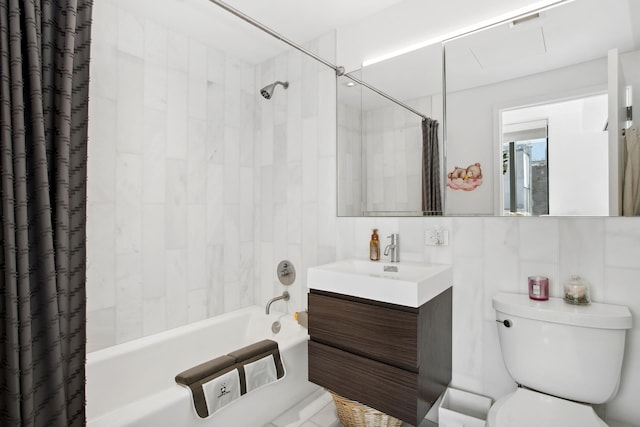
(392, 141)
(392, 136)
(170, 193)
(295, 168)
(350, 167)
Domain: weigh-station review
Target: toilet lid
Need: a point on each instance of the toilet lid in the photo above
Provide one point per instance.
(527, 408)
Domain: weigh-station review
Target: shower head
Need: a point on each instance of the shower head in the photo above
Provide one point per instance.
(267, 91)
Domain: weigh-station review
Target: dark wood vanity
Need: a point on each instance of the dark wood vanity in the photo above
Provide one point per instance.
(390, 357)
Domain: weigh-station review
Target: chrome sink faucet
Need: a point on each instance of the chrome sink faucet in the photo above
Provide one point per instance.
(393, 249)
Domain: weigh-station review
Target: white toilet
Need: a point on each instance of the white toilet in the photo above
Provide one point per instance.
(560, 355)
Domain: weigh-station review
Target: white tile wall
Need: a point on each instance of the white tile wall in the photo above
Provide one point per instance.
(350, 168)
(172, 122)
(294, 170)
(199, 180)
(166, 248)
(393, 143)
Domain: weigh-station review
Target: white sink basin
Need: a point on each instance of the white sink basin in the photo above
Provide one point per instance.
(404, 283)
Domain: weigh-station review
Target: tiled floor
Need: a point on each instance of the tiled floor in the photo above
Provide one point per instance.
(317, 410)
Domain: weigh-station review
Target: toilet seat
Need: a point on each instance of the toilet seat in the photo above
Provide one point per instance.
(528, 408)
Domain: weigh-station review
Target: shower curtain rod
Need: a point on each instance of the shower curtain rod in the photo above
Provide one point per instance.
(338, 69)
(389, 97)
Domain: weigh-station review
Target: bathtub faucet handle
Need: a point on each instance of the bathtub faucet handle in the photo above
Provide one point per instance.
(286, 272)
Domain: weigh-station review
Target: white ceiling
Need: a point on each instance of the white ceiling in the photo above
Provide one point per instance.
(298, 20)
(577, 32)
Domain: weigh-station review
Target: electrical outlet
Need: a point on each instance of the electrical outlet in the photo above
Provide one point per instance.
(436, 236)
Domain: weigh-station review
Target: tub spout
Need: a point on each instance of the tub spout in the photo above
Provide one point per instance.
(284, 296)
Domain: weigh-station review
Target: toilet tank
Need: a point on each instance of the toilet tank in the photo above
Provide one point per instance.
(569, 351)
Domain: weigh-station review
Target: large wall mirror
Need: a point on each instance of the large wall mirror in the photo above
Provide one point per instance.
(535, 112)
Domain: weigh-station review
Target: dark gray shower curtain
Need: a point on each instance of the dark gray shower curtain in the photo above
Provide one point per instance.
(431, 195)
(44, 71)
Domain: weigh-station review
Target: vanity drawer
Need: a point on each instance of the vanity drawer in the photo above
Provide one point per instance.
(379, 332)
(386, 388)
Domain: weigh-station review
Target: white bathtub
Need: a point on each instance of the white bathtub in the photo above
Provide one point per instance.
(132, 384)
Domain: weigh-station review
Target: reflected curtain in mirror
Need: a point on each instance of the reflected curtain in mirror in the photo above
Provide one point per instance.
(44, 96)
(431, 193)
(631, 189)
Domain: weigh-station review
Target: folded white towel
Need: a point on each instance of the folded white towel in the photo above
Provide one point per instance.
(222, 390)
(261, 372)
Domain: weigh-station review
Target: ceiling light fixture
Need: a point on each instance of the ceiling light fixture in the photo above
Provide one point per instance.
(496, 20)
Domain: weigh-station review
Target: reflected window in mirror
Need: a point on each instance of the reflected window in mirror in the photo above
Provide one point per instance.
(556, 158)
(525, 171)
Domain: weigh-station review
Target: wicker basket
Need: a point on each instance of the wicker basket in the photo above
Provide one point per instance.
(355, 414)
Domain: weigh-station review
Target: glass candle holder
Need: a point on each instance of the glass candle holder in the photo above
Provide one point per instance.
(576, 291)
(539, 288)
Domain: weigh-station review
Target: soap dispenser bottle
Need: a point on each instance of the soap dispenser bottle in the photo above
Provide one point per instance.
(374, 246)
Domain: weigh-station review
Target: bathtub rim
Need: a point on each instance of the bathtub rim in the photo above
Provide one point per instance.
(116, 350)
